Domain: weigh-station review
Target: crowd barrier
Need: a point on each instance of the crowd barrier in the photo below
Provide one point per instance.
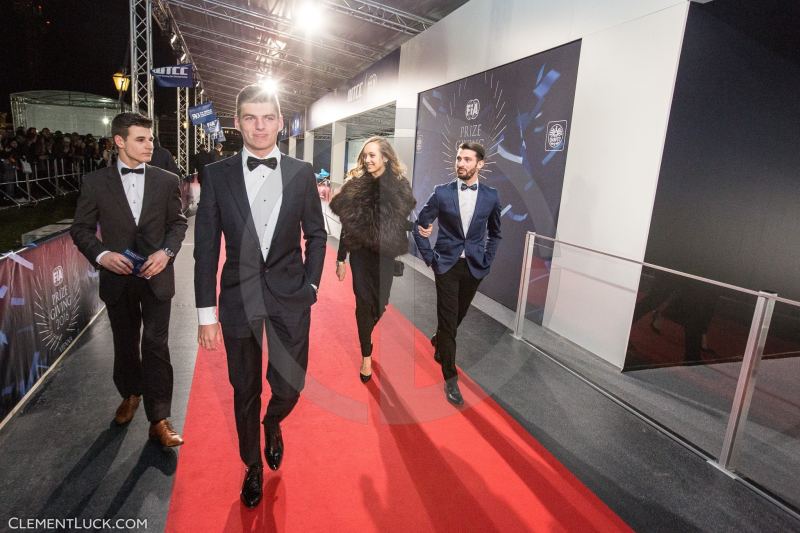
(41, 181)
(48, 295)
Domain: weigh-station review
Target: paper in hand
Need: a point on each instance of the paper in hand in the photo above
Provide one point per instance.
(135, 259)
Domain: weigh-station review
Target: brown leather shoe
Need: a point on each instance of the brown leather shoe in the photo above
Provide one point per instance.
(162, 432)
(127, 409)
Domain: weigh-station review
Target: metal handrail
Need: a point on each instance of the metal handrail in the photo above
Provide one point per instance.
(753, 354)
(751, 292)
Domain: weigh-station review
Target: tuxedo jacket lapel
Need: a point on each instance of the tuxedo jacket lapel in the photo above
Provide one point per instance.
(482, 198)
(288, 172)
(453, 188)
(117, 192)
(150, 194)
(239, 192)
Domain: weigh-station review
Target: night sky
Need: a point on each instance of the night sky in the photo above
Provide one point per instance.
(70, 45)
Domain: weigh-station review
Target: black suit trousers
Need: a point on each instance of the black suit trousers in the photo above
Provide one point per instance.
(455, 290)
(140, 327)
(287, 347)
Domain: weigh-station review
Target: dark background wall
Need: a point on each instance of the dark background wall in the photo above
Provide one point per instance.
(322, 155)
(728, 200)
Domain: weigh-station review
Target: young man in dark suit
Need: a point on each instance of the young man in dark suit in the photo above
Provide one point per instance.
(138, 208)
(469, 233)
(263, 202)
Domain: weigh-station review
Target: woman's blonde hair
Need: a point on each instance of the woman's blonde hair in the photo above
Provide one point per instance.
(387, 151)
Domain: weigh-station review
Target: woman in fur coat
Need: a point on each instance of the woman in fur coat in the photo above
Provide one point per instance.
(373, 207)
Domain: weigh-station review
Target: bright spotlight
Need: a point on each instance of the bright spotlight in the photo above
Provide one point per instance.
(105, 120)
(269, 84)
(309, 16)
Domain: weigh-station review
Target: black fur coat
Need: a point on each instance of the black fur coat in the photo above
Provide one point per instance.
(374, 213)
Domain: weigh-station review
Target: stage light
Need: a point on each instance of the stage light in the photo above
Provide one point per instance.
(105, 121)
(183, 57)
(173, 38)
(309, 17)
(269, 84)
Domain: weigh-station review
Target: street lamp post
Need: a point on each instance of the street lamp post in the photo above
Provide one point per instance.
(121, 82)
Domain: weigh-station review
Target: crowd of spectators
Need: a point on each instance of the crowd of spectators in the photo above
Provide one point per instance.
(43, 153)
(42, 148)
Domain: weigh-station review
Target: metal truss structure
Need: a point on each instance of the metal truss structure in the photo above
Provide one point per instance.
(245, 42)
(382, 15)
(183, 128)
(199, 134)
(141, 26)
(231, 43)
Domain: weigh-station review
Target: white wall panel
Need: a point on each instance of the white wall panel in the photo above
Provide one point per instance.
(622, 100)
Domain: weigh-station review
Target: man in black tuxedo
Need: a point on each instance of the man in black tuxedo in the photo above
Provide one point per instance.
(138, 208)
(260, 200)
(469, 234)
(163, 159)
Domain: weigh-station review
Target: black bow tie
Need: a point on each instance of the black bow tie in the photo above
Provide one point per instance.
(126, 170)
(253, 162)
(473, 187)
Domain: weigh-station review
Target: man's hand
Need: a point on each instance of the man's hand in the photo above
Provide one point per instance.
(116, 263)
(154, 265)
(208, 336)
(425, 232)
(341, 269)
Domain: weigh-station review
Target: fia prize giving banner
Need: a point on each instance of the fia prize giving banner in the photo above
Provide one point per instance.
(48, 294)
(521, 113)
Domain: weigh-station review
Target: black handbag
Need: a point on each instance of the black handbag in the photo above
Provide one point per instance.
(399, 266)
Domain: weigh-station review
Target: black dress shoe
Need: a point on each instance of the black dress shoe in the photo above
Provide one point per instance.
(452, 393)
(273, 451)
(436, 356)
(251, 488)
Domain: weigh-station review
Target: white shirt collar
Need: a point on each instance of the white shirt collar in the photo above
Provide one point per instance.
(246, 153)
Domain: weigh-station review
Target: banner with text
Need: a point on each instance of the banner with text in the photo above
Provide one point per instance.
(202, 113)
(48, 294)
(520, 113)
(174, 76)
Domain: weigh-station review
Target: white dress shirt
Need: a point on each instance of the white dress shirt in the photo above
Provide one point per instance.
(253, 180)
(466, 205)
(133, 184)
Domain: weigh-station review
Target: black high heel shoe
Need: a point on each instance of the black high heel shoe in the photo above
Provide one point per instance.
(365, 377)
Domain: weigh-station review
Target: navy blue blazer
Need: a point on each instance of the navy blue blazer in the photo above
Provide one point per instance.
(479, 244)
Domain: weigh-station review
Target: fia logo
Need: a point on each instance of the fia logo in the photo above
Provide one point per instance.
(556, 136)
(472, 109)
(58, 276)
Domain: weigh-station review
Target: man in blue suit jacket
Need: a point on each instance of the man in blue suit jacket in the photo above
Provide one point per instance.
(469, 233)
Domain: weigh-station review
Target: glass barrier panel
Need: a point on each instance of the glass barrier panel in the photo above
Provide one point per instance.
(669, 346)
(768, 449)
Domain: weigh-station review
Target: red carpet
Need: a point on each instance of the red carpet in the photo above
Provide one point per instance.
(389, 456)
